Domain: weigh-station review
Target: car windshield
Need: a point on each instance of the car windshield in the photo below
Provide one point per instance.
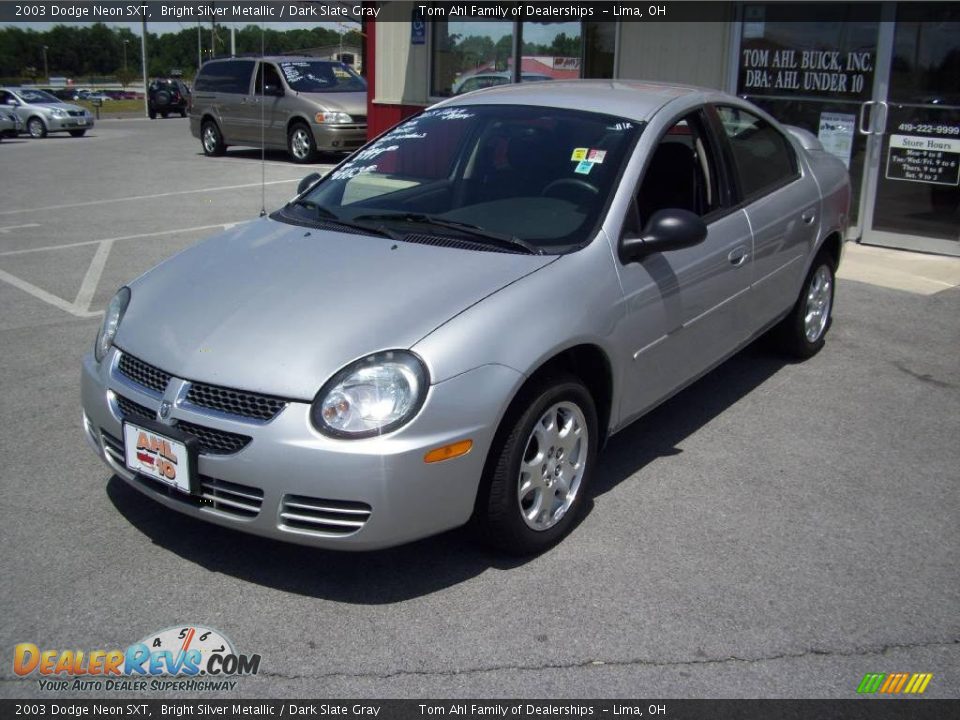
(37, 96)
(314, 76)
(540, 175)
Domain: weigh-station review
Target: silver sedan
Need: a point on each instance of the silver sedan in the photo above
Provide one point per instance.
(42, 113)
(448, 326)
(10, 124)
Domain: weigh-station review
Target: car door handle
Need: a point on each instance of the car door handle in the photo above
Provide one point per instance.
(808, 216)
(738, 256)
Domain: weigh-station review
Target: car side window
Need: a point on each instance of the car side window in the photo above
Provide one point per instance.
(232, 76)
(681, 173)
(6, 98)
(272, 76)
(764, 159)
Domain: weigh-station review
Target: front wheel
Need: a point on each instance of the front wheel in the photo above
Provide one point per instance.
(540, 468)
(36, 128)
(300, 143)
(211, 139)
(802, 333)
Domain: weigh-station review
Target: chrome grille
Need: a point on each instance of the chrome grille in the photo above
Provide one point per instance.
(215, 442)
(143, 374)
(227, 497)
(231, 497)
(212, 441)
(75, 113)
(235, 402)
(128, 408)
(327, 517)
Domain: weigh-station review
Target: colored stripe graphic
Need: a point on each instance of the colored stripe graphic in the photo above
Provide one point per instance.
(895, 683)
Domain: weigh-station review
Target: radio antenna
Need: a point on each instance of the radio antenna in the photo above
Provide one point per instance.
(263, 147)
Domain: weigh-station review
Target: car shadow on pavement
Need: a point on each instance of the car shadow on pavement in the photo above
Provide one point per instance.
(279, 156)
(426, 566)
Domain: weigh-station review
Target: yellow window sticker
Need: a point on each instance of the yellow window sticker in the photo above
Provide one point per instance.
(579, 154)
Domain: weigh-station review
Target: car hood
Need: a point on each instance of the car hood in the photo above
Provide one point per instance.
(278, 309)
(68, 107)
(352, 103)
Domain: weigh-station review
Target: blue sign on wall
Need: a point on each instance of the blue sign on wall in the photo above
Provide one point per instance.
(418, 28)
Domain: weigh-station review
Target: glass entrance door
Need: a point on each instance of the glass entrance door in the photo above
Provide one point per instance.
(912, 189)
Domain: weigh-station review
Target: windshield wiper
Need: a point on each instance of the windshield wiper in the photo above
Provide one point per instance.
(324, 213)
(320, 209)
(475, 231)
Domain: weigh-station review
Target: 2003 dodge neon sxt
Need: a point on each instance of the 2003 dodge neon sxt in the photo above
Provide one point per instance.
(450, 324)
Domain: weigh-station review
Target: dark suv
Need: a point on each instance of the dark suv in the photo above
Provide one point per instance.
(168, 96)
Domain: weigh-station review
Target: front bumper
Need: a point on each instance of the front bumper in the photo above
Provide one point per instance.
(367, 494)
(339, 138)
(60, 124)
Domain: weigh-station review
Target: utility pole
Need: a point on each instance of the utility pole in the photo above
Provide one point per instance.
(125, 43)
(199, 49)
(46, 67)
(233, 41)
(143, 56)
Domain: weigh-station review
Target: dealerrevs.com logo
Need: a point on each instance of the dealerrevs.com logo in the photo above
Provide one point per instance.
(182, 659)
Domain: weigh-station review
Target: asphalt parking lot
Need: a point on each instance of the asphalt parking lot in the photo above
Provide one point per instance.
(776, 530)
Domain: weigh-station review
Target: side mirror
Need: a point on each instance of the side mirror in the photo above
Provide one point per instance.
(307, 182)
(670, 229)
(273, 90)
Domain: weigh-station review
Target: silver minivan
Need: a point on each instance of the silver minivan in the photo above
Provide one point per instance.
(300, 104)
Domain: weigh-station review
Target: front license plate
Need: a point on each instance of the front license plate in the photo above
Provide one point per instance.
(157, 456)
(81, 121)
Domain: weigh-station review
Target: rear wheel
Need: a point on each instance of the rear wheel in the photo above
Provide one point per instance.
(539, 471)
(183, 113)
(36, 128)
(211, 139)
(77, 133)
(164, 115)
(152, 113)
(802, 333)
(300, 143)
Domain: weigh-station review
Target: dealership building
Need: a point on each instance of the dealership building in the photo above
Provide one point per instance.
(878, 83)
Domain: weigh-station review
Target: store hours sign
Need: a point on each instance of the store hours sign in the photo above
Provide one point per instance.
(933, 160)
(769, 71)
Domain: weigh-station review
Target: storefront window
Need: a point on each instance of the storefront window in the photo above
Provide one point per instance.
(470, 55)
(551, 51)
(813, 74)
(600, 46)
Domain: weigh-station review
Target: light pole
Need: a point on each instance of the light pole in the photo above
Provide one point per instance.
(46, 68)
(125, 43)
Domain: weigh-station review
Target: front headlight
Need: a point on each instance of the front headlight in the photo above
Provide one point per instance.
(334, 118)
(58, 113)
(371, 396)
(111, 322)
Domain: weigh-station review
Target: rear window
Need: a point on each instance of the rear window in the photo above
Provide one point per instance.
(227, 77)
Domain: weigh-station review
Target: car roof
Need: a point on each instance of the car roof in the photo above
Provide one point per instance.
(635, 99)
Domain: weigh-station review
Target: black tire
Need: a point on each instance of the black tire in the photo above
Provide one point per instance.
(211, 139)
(791, 335)
(301, 145)
(183, 113)
(498, 515)
(164, 115)
(152, 113)
(36, 127)
(77, 133)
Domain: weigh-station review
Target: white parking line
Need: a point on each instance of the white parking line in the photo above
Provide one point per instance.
(90, 281)
(46, 297)
(80, 307)
(144, 197)
(27, 251)
(8, 228)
